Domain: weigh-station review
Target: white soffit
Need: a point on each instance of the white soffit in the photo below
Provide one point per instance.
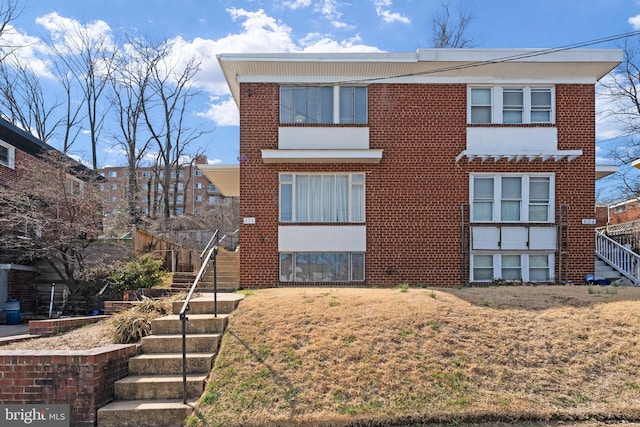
(321, 156)
(556, 156)
(425, 65)
(226, 178)
(605, 170)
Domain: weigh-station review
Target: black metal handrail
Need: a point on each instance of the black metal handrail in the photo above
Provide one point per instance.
(210, 256)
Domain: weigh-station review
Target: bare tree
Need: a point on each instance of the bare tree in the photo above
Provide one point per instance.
(50, 212)
(23, 100)
(449, 33)
(89, 60)
(9, 12)
(129, 88)
(170, 91)
(621, 91)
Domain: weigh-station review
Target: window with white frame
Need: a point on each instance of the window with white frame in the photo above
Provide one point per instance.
(113, 174)
(620, 208)
(198, 198)
(516, 267)
(197, 172)
(512, 198)
(510, 105)
(145, 174)
(323, 104)
(199, 186)
(7, 155)
(322, 197)
(321, 266)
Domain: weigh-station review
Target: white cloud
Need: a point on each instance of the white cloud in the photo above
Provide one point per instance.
(222, 111)
(214, 161)
(635, 22)
(325, 43)
(27, 50)
(383, 11)
(69, 34)
(260, 33)
(296, 4)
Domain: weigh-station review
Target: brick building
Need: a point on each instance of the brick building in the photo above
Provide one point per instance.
(440, 167)
(191, 192)
(20, 154)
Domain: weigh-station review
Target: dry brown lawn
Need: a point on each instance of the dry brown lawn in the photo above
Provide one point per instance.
(517, 355)
(83, 338)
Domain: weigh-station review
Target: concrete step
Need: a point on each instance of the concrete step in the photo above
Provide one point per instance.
(196, 324)
(200, 343)
(203, 303)
(147, 387)
(145, 413)
(170, 363)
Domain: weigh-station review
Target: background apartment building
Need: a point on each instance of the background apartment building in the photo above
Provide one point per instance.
(190, 192)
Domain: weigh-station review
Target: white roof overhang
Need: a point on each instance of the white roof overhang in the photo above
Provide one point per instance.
(605, 170)
(226, 178)
(423, 66)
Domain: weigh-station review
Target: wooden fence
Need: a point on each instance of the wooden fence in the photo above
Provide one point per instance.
(175, 256)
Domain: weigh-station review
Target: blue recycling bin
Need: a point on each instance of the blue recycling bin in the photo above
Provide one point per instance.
(12, 307)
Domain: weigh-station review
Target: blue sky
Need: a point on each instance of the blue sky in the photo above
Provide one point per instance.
(210, 27)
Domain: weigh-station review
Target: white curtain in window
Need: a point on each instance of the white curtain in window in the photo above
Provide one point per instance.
(342, 198)
(315, 198)
(328, 199)
(302, 200)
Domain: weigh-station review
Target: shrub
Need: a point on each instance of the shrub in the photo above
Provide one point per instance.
(131, 325)
(145, 272)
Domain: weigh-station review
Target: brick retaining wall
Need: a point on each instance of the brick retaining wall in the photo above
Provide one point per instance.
(56, 326)
(83, 379)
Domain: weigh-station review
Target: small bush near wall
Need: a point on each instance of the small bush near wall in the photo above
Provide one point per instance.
(83, 379)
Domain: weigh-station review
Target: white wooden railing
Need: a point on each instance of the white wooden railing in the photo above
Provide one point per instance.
(618, 257)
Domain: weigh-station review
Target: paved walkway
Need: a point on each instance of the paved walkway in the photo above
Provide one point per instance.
(12, 330)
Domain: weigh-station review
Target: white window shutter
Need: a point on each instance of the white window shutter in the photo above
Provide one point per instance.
(485, 238)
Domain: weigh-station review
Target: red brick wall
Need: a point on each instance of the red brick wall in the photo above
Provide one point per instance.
(632, 213)
(22, 161)
(82, 379)
(414, 196)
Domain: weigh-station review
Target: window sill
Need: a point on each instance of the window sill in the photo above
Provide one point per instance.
(321, 156)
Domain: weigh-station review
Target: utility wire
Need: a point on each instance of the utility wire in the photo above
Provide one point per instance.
(509, 58)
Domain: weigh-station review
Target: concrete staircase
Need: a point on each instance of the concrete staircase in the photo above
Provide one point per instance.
(152, 393)
(605, 271)
(227, 271)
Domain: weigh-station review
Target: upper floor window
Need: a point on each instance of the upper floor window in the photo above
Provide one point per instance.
(146, 174)
(512, 198)
(322, 197)
(113, 174)
(510, 105)
(199, 186)
(7, 155)
(74, 185)
(620, 209)
(323, 104)
(198, 172)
